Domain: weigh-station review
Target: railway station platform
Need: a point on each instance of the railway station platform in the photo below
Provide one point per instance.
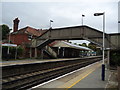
(86, 77)
(28, 61)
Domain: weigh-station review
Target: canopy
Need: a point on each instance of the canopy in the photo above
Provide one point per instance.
(66, 44)
(10, 45)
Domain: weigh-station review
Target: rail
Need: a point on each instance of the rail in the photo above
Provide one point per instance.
(42, 72)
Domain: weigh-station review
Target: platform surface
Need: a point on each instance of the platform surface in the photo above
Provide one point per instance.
(87, 77)
(27, 61)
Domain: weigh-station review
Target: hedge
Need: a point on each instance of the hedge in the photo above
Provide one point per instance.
(115, 57)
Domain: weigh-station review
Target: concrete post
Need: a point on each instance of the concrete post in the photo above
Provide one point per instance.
(63, 51)
(108, 57)
(35, 52)
(30, 52)
(41, 53)
(16, 53)
(59, 51)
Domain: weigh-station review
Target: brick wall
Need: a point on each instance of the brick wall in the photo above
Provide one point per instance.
(19, 38)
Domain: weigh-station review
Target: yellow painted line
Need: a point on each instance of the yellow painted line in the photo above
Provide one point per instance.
(80, 79)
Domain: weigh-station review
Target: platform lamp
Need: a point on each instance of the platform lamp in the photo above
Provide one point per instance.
(103, 64)
(50, 28)
(51, 24)
(82, 18)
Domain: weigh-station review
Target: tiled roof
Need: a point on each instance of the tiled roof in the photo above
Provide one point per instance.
(33, 31)
(30, 31)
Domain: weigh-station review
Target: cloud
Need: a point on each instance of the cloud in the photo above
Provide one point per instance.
(96, 1)
(119, 16)
(63, 13)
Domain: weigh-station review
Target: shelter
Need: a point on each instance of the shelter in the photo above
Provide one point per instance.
(8, 50)
(67, 50)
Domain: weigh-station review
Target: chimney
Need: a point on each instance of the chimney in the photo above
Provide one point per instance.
(15, 26)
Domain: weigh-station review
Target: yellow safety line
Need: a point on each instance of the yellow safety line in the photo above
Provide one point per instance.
(80, 79)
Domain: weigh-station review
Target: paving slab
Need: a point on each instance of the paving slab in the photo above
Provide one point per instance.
(87, 77)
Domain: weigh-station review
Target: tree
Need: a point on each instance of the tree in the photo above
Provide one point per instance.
(5, 31)
(92, 46)
(84, 44)
(80, 44)
(75, 43)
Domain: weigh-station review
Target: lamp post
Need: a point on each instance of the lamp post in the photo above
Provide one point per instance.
(51, 23)
(50, 27)
(82, 18)
(103, 64)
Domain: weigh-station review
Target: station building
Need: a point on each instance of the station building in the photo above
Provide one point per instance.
(65, 49)
(62, 49)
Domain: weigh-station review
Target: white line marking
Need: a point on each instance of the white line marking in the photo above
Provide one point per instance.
(62, 76)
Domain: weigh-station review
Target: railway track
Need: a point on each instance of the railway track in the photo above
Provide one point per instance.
(27, 80)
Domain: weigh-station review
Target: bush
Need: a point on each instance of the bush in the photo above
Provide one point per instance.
(115, 57)
(20, 51)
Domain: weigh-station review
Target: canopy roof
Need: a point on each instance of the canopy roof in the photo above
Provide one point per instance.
(66, 44)
(11, 45)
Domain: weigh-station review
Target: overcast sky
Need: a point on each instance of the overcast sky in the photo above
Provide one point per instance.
(64, 13)
(119, 17)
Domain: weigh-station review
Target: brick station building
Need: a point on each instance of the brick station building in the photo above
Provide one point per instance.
(22, 37)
